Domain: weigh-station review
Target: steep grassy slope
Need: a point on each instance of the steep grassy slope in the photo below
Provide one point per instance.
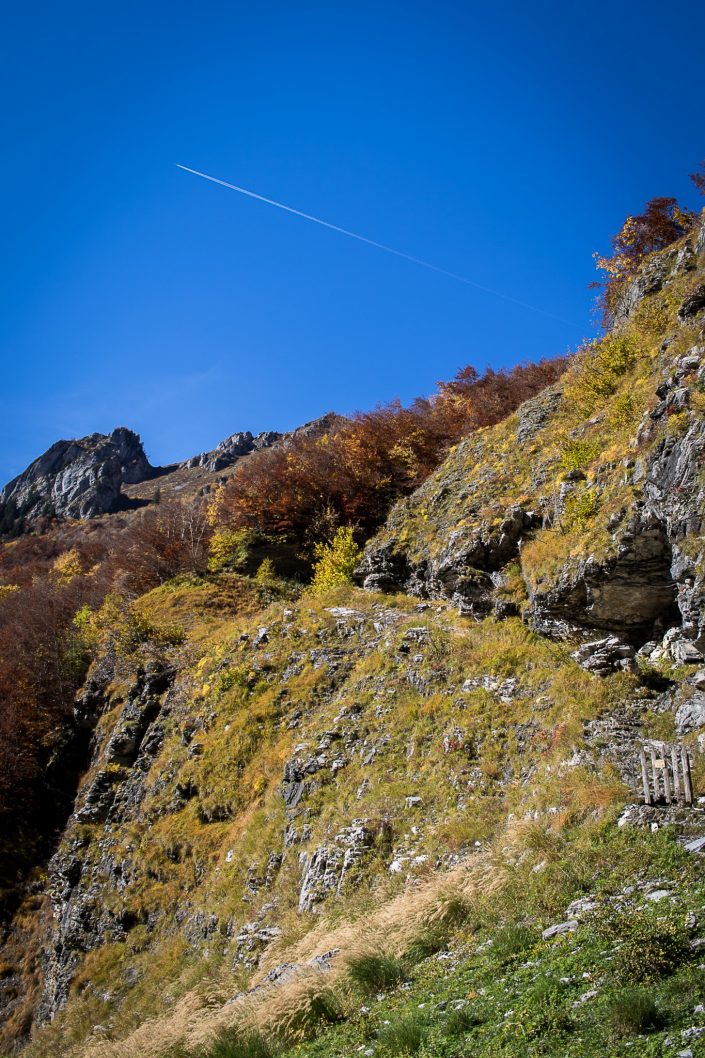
(399, 740)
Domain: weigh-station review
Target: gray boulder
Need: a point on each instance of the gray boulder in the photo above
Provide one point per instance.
(559, 929)
(603, 656)
(690, 714)
(693, 304)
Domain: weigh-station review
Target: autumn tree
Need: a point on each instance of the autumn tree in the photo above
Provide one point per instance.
(169, 538)
(351, 473)
(335, 561)
(662, 223)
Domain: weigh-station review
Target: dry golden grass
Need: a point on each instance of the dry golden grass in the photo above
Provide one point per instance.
(278, 1009)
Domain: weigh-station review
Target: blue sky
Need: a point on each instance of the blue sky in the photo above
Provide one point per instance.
(503, 142)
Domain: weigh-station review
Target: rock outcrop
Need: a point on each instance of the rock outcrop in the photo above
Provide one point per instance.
(75, 479)
(229, 451)
(82, 919)
(654, 275)
(233, 448)
(460, 571)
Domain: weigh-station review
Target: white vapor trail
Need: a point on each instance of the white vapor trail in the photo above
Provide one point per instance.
(371, 242)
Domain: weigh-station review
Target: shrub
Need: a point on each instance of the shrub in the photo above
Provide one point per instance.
(648, 947)
(67, 566)
(577, 455)
(133, 629)
(677, 424)
(265, 571)
(229, 549)
(543, 1013)
(633, 1011)
(625, 410)
(601, 365)
(403, 1036)
(336, 561)
(580, 509)
(374, 973)
(234, 676)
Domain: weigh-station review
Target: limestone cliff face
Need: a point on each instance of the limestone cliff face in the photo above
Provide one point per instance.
(83, 918)
(76, 479)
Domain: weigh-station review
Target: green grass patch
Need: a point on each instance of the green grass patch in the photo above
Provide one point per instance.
(632, 1012)
(404, 1035)
(376, 973)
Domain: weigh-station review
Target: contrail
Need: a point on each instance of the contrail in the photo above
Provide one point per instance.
(377, 245)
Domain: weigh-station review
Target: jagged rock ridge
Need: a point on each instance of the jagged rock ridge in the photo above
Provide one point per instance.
(240, 444)
(230, 450)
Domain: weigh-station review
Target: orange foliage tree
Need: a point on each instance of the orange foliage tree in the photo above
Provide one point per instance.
(353, 473)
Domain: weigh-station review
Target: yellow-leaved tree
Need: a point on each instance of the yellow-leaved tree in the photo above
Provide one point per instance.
(335, 562)
(266, 571)
(67, 566)
(662, 223)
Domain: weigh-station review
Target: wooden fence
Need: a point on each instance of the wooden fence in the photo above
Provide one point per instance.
(665, 774)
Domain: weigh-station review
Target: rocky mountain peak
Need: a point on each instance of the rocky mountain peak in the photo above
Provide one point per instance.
(79, 478)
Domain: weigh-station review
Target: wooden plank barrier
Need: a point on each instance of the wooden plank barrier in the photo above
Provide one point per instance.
(665, 774)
